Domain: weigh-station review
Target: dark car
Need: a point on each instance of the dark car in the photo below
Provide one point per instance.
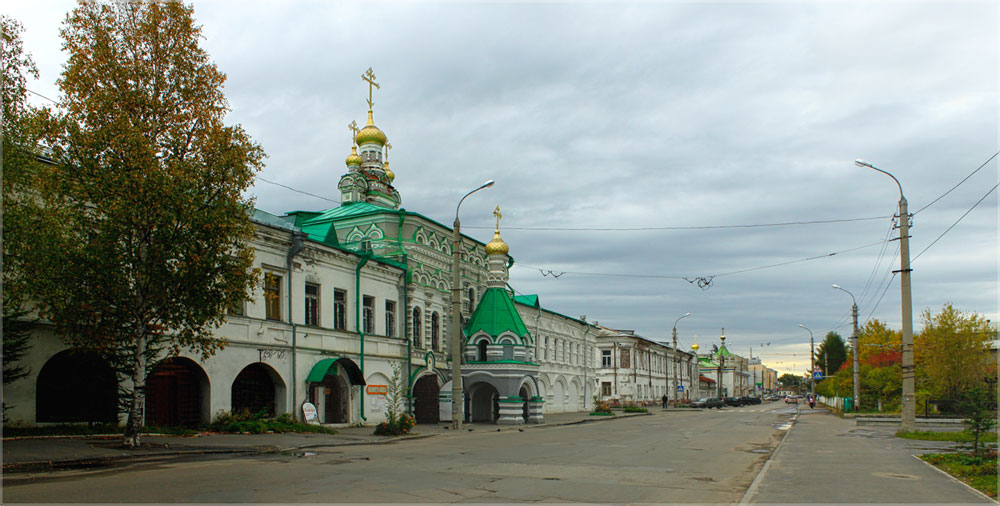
(734, 401)
(707, 402)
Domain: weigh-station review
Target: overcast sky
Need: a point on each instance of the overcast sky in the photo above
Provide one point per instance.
(612, 129)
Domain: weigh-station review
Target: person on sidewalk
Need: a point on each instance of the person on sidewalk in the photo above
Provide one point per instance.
(664, 400)
(812, 402)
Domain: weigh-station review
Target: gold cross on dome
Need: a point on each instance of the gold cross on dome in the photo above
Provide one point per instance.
(354, 130)
(387, 148)
(369, 76)
(498, 214)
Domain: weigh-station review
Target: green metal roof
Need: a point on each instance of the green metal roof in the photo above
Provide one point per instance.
(527, 300)
(495, 315)
(723, 352)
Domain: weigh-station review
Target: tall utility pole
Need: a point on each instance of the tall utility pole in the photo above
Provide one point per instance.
(909, 399)
(676, 358)
(455, 334)
(854, 343)
(812, 363)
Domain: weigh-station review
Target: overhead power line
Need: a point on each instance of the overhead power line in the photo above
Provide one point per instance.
(959, 183)
(956, 222)
(298, 191)
(707, 278)
(693, 227)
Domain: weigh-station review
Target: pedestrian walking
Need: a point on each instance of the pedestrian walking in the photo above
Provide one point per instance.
(664, 400)
(812, 402)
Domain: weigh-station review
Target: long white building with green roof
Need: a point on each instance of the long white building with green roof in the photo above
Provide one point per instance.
(348, 293)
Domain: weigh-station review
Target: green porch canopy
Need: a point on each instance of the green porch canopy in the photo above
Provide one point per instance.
(321, 368)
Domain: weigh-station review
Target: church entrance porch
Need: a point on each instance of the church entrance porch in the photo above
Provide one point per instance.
(483, 403)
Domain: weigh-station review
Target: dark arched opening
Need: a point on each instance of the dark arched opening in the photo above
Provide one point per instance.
(524, 394)
(254, 391)
(426, 404)
(481, 349)
(484, 403)
(76, 386)
(175, 392)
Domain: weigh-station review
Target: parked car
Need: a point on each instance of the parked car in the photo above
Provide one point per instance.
(734, 401)
(708, 402)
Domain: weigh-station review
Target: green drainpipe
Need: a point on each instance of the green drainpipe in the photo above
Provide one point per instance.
(404, 313)
(357, 322)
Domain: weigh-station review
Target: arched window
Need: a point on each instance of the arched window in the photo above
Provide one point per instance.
(545, 348)
(472, 299)
(418, 322)
(482, 351)
(435, 331)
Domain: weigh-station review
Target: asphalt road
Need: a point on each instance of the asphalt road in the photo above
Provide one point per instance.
(674, 456)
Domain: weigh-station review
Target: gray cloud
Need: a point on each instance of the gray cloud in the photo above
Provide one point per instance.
(603, 115)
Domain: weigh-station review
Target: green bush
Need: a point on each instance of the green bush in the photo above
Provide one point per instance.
(635, 409)
(259, 423)
(402, 424)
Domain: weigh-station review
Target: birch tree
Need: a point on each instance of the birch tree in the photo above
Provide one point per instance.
(153, 244)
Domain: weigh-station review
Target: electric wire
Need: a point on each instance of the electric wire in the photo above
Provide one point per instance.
(959, 183)
(40, 95)
(879, 301)
(298, 191)
(953, 224)
(657, 276)
(692, 227)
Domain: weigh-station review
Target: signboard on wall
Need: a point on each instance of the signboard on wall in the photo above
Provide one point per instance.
(377, 389)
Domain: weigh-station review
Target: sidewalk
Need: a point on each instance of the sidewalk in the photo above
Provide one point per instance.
(827, 459)
(33, 454)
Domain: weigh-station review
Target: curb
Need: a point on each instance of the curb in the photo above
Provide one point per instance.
(752, 489)
(970, 487)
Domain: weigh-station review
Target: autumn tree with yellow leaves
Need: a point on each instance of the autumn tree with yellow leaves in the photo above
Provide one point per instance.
(152, 241)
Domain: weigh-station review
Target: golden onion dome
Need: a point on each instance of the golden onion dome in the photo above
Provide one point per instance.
(371, 133)
(353, 158)
(695, 345)
(496, 246)
(388, 173)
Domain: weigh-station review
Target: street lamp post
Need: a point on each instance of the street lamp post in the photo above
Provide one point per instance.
(676, 358)
(854, 343)
(909, 400)
(812, 365)
(456, 316)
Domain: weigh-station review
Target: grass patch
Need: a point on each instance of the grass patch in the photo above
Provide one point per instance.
(634, 409)
(600, 413)
(978, 471)
(958, 437)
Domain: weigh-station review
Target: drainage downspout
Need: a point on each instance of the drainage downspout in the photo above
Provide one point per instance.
(357, 323)
(586, 360)
(298, 244)
(405, 313)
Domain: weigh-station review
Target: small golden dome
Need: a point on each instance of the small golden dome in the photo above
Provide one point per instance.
(353, 158)
(388, 173)
(371, 133)
(695, 346)
(497, 246)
